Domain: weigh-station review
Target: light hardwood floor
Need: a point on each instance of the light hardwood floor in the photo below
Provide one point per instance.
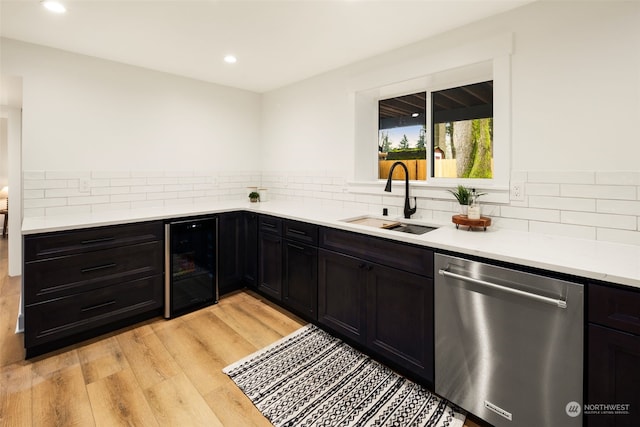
(157, 373)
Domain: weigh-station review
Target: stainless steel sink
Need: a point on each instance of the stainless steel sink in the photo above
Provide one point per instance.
(390, 224)
(411, 228)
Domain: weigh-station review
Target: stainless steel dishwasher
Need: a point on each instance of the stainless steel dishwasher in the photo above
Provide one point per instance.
(509, 344)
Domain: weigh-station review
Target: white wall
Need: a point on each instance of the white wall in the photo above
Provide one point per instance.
(575, 91)
(4, 153)
(575, 98)
(14, 136)
(83, 113)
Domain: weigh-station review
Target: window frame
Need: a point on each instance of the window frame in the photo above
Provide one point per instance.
(489, 59)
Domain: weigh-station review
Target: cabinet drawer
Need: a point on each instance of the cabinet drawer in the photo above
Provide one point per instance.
(614, 307)
(60, 277)
(64, 317)
(403, 256)
(301, 231)
(270, 224)
(64, 243)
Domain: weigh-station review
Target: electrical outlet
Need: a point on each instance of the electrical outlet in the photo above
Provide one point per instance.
(516, 192)
(84, 185)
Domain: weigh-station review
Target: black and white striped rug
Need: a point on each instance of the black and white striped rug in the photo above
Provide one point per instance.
(310, 378)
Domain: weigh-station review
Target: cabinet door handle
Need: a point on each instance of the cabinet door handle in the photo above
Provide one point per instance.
(96, 268)
(268, 225)
(97, 306)
(102, 240)
(294, 231)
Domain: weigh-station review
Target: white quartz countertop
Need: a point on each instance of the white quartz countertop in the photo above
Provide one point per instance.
(591, 259)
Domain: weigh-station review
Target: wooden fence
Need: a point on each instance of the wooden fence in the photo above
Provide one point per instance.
(444, 168)
(417, 169)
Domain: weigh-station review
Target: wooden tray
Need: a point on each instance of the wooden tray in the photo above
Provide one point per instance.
(459, 220)
(376, 222)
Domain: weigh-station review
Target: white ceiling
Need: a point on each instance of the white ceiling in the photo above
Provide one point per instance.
(276, 42)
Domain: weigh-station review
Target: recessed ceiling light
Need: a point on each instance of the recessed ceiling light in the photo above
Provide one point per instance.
(54, 6)
(230, 59)
(415, 114)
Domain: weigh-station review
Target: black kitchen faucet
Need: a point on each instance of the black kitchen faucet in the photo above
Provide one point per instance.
(408, 210)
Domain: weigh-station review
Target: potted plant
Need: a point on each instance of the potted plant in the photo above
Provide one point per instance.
(463, 196)
(254, 196)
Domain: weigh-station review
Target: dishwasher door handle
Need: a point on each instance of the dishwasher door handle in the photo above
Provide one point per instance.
(557, 302)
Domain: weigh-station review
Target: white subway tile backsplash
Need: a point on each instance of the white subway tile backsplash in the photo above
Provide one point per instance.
(68, 210)
(624, 222)
(62, 192)
(36, 184)
(620, 207)
(146, 204)
(44, 203)
(618, 192)
(104, 207)
(33, 194)
(533, 189)
(147, 189)
(562, 203)
(601, 204)
(93, 183)
(115, 198)
(127, 182)
(178, 187)
(87, 200)
(550, 215)
(618, 178)
(33, 212)
(99, 191)
(562, 177)
(163, 196)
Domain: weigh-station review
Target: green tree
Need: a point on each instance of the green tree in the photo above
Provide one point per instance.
(385, 144)
(421, 143)
(404, 143)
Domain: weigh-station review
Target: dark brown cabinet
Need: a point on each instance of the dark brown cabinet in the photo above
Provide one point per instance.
(230, 250)
(300, 268)
(341, 294)
(288, 263)
(249, 257)
(80, 283)
(613, 356)
(270, 256)
(400, 318)
(379, 293)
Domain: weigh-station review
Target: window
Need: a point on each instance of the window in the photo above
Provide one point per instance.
(401, 135)
(460, 128)
(484, 62)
